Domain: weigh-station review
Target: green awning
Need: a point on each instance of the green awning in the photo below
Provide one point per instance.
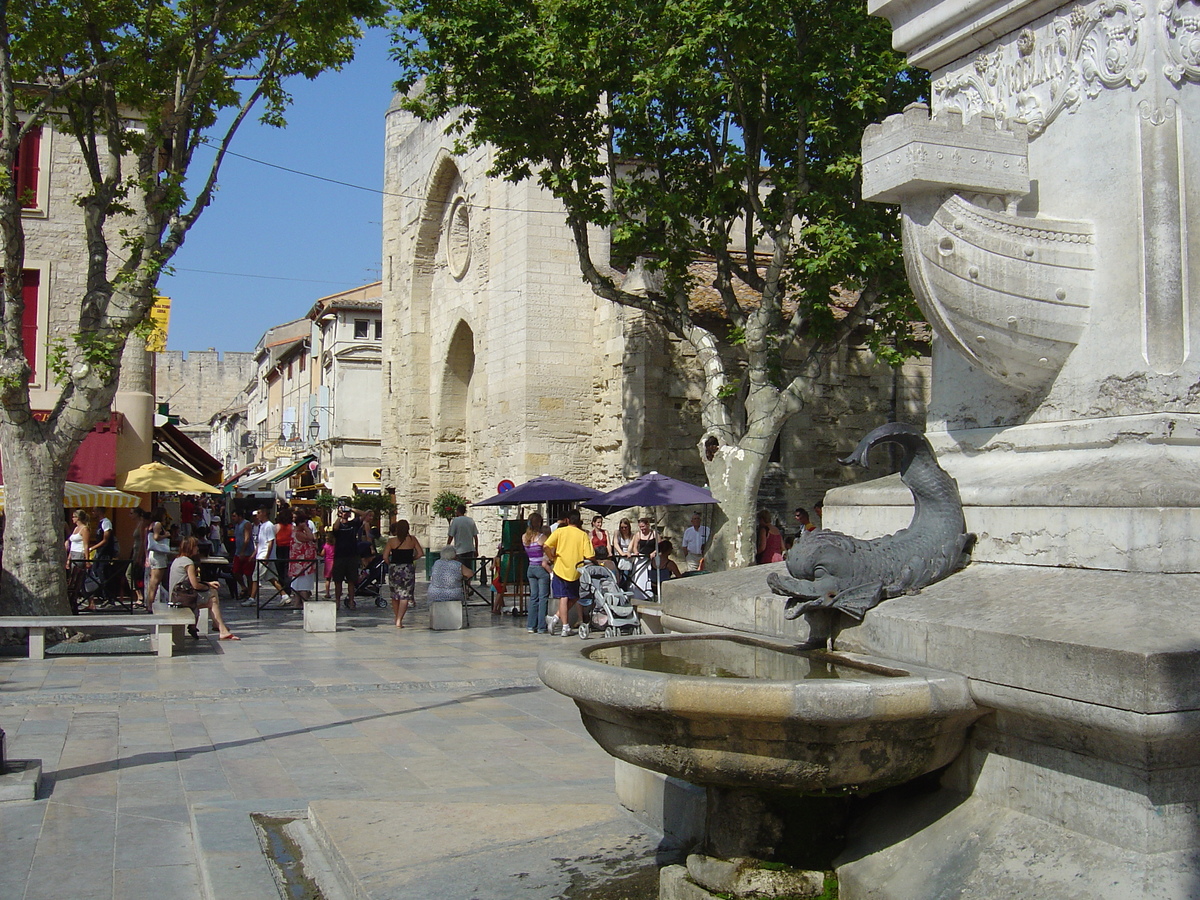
(267, 479)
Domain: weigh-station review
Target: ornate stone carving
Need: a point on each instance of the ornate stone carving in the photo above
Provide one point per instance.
(458, 237)
(1182, 42)
(1012, 293)
(1034, 75)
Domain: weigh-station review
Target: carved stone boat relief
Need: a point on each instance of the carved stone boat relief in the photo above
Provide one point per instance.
(1012, 293)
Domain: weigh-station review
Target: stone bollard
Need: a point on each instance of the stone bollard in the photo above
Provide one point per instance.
(446, 615)
(320, 615)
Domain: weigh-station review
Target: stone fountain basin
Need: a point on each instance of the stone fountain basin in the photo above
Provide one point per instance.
(760, 714)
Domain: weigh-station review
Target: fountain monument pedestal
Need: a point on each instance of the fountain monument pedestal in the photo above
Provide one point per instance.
(1048, 195)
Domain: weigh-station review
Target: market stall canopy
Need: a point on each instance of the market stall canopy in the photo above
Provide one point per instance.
(651, 489)
(265, 480)
(174, 448)
(231, 482)
(543, 489)
(155, 477)
(90, 495)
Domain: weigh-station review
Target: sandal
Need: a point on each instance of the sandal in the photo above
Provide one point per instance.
(350, 604)
(230, 637)
(194, 632)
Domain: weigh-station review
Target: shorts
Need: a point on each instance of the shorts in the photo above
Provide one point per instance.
(243, 565)
(560, 588)
(345, 568)
(266, 570)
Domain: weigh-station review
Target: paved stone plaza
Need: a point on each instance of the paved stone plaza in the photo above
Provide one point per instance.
(440, 764)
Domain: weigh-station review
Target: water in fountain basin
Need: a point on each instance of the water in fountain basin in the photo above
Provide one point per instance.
(730, 658)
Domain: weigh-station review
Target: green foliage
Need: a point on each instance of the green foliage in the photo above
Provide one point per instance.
(58, 361)
(137, 86)
(325, 500)
(132, 89)
(721, 115)
(379, 503)
(446, 504)
(712, 130)
(101, 353)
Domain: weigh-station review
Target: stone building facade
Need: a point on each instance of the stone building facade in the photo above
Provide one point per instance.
(312, 393)
(500, 363)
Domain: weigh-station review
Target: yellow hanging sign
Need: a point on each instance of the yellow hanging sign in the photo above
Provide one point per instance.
(160, 320)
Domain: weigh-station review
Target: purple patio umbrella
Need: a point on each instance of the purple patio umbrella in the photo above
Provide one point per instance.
(543, 489)
(651, 489)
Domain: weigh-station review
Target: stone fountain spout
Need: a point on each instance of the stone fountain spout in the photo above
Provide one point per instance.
(829, 571)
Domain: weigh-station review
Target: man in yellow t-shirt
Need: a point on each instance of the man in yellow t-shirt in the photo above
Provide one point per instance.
(566, 548)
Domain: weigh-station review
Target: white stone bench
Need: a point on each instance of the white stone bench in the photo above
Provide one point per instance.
(168, 627)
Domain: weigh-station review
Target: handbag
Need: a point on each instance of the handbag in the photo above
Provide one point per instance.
(183, 594)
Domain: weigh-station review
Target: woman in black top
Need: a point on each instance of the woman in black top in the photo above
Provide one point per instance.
(645, 543)
(400, 554)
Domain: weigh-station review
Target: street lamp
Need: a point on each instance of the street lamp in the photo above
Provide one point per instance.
(314, 427)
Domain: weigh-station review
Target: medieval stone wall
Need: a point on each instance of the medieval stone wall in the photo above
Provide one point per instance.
(200, 383)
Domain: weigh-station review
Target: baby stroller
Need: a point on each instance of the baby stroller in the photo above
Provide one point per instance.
(611, 608)
(371, 580)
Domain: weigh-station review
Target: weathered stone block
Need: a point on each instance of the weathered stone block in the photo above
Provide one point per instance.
(320, 616)
(674, 884)
(446, 615)
(744, 877)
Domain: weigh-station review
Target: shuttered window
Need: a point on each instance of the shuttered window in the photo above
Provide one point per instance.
(30, 281)
(26, 173)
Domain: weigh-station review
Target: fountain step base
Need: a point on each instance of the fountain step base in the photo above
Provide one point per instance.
(969, 849)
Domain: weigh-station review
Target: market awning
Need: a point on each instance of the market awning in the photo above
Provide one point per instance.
(179, 451)
(274, 476)
(231, 482)
(91, 495)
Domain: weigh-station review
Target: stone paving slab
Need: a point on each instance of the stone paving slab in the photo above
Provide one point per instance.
(464, 850)
(152, 766)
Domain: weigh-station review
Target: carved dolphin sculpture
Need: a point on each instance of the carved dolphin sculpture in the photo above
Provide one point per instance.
(833, 571)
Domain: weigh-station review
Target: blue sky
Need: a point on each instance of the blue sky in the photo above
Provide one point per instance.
(279, 240)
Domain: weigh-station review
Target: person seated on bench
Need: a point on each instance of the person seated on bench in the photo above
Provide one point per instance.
(185, 589)
(446, 577)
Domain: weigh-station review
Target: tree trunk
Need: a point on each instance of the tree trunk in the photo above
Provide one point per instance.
(733, 477)
(34, 581)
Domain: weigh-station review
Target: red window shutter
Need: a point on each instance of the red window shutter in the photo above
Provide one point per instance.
(30, 281)
(29, 155)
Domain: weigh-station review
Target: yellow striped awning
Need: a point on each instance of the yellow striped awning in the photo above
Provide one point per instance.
(89, 495)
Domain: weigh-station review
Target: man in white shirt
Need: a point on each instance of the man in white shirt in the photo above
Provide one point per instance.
(695, 542)
(264, 554)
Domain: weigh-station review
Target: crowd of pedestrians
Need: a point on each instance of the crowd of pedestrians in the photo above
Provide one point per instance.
(292, 551)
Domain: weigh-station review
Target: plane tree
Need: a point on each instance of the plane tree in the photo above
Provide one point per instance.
(149, 95)
(696, 129)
